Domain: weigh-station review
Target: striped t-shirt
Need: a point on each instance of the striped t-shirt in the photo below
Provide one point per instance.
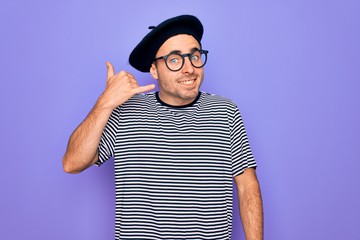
(174, 166)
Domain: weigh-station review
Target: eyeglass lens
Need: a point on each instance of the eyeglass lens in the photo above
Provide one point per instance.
(175, 61)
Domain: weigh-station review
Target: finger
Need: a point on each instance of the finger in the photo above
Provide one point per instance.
(145, 88)
(130, 75)
(110, 70)
(133, 80)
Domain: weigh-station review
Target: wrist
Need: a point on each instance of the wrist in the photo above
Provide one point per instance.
(103, 105)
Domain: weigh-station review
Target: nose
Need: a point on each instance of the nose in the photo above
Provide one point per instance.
(188, 67)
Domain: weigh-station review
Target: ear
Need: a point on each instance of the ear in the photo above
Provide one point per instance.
(153, 71)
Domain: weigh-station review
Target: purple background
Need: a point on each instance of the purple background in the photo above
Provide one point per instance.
(293, 68)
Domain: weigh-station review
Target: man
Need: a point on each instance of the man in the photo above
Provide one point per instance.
(176, 151)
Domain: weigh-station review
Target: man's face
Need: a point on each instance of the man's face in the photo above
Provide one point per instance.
(181, 87)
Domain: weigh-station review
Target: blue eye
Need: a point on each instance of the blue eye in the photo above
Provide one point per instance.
(174, 59)
(195, 58)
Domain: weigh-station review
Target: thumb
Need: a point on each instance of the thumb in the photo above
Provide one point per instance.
(110, 70)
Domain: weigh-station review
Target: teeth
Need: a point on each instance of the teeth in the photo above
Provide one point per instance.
(187, 82)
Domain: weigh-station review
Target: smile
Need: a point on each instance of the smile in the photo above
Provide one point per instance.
(187, 82)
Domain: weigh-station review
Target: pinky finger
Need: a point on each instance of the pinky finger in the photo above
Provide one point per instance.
(145, 88)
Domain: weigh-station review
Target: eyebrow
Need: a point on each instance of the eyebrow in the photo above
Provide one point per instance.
(179, 52)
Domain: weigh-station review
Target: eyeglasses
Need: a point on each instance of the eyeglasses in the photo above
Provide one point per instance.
(175, 61)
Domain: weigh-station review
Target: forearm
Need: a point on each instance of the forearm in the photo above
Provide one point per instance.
(82, 147)
(251, 209)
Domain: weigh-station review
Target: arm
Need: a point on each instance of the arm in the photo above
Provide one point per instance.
(81, 151)
(250, 204)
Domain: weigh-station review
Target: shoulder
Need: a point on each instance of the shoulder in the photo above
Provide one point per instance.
(210, 99)
(142, 97)
(138, 100)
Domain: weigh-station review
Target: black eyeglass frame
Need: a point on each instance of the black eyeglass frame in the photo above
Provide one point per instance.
(189, 55)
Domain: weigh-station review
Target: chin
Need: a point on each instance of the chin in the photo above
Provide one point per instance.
(191, 95)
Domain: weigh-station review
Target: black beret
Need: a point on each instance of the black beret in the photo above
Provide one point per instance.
(144, 53)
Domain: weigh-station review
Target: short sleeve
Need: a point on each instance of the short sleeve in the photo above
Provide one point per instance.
(108, 138)
(241, 154)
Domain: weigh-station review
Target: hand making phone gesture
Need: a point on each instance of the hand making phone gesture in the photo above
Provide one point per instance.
(119, 88)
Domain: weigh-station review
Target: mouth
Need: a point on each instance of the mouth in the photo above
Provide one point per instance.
(187, 82)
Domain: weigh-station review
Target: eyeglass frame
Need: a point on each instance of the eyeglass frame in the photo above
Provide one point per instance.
(189, 55)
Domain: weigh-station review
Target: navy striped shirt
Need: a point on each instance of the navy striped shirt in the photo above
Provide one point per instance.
(174, 166)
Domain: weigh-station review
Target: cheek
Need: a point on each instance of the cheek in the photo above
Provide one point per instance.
(166, 78)
(166, 82)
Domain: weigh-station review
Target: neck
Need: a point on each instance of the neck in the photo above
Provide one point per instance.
(178, 104)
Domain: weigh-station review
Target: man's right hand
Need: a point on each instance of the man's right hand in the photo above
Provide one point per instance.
(81, 151)
(119, 88)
